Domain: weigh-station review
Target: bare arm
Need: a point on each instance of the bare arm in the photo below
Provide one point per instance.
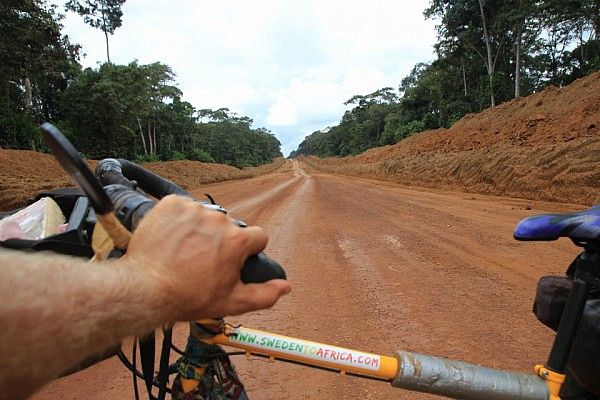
(56, 311)
(183, 263)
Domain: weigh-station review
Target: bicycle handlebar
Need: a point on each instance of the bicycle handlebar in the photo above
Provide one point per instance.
(119, 171)
(410, 371)
(130, 207)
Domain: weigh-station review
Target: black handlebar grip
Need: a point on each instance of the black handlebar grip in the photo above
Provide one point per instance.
(109, 172)
(130, 207)
(261, 268)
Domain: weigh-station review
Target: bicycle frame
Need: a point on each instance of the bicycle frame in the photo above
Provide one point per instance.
(406, 370)
(320, 355)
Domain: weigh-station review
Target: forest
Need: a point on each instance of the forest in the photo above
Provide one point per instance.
(131, 111)
(487, 52)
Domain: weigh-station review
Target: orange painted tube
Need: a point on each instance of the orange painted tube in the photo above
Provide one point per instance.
(307, 352)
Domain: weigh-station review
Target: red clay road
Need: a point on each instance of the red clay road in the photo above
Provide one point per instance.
(378, 267)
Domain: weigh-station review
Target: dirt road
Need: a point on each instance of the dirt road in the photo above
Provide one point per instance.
(378, 267)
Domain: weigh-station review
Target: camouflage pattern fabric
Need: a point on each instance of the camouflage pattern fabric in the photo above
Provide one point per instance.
(209, 369)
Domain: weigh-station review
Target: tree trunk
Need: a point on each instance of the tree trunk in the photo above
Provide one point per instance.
(490, 64)
(464, 76)
(107, 52)
(142, 135)
(105, 31)
(150, 140)
(518, 61)
(154, 138)
(28, 95)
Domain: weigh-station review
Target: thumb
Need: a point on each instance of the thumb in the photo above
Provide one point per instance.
(257, 296)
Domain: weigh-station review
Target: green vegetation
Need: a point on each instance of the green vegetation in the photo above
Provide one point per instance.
(488, 52)
(132, 111)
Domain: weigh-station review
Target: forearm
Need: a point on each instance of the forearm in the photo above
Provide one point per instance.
(183, 263)
(62, 310)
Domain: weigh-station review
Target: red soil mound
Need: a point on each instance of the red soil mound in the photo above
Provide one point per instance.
(545, 147)
(25, 173)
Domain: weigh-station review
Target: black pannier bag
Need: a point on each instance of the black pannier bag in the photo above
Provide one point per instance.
(583, 377)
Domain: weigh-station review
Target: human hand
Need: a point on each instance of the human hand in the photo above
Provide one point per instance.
(194, 255)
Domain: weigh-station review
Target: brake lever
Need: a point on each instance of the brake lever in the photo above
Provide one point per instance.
(70, 160)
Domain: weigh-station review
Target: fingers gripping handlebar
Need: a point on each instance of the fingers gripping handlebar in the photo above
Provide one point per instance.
(131, 207)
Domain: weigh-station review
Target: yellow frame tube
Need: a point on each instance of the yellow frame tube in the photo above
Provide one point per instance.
(307, 352)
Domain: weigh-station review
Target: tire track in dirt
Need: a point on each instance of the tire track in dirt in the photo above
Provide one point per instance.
(331, 288)
(431, 264)
(303, 252)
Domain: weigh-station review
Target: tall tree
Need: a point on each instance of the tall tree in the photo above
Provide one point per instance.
(37, 63)
(570, 45)
(474, 25)
(103, 14)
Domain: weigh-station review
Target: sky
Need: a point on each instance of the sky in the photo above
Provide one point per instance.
(288, 64)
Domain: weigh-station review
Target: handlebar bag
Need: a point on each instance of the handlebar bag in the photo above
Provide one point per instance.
(75, 240)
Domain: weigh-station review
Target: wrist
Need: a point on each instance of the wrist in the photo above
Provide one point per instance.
(156, 289)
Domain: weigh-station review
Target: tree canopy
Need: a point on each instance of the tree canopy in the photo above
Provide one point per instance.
(488, 52)
(37, 64)
(133, 111)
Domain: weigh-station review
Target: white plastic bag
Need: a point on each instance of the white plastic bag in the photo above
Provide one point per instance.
(37, 221)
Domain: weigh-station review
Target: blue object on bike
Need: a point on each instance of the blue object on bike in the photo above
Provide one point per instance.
(583, 226)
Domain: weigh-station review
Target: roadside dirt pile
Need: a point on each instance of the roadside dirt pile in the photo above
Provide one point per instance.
(25, 173)
(543, 147)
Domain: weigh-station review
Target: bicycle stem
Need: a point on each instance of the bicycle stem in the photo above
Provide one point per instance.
(406, 370)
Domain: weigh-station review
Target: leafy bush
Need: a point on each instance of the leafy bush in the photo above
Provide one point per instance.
(201, 155)
(411, 127)
(18, 131)
(177, 156)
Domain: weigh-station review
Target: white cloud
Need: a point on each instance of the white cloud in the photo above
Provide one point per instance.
(289, 65)
(304, 99)
(283, 112)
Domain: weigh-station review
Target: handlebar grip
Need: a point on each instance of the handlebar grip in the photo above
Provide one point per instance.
(119, 171)
(130, 208)
(109, 172)
(117, 179)
(261, 268)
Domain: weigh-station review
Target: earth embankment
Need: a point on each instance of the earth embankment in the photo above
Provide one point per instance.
(25, 173)
(542, 147)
